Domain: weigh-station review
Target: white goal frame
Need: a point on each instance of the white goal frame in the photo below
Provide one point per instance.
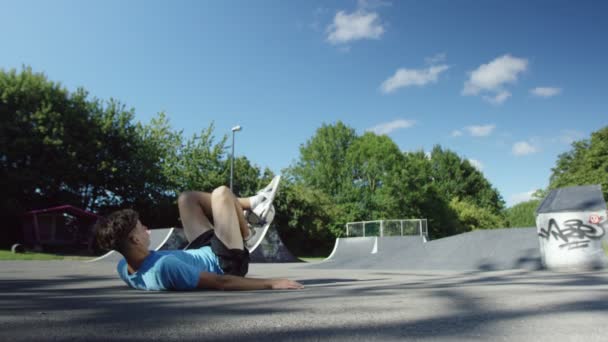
(406, 227)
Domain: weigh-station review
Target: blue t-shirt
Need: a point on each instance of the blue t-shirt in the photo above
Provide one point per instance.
(171, 270)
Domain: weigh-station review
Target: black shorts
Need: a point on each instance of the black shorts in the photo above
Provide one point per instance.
(232, 261)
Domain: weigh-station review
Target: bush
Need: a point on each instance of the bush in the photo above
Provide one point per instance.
(473, 217)
(522, 214)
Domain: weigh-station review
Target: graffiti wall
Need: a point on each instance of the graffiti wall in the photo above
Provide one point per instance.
(572, 240)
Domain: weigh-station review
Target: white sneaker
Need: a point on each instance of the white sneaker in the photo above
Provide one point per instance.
(257, 232)
(265, 210)
(255, 221)
(253, 238)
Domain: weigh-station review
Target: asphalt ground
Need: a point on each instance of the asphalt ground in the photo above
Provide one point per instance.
(72, 300)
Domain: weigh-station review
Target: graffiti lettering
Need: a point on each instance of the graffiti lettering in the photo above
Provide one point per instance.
(575, 229)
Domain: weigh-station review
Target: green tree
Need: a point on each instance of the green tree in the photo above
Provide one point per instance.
(367, 177)
(523, 214)
(158, 157)
(585, 163)
(123, 170)
(201, 163)
(322, 159)
(371, 162)
(58, 147)
(50, 145)
(417, 196)
(305, 219)
(473, 217)
(162, 145)
(248, 178)
(456, 177)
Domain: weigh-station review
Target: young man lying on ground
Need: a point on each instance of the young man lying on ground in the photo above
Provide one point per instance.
(216, 257)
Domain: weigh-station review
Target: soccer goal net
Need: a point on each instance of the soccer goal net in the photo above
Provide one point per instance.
(388, 228)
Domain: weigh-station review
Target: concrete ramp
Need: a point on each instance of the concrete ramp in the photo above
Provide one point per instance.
(486, 250)
(272, 249)
(350, 251)
(158, 239)
(480, 250)
(370, 252)
(395, 251)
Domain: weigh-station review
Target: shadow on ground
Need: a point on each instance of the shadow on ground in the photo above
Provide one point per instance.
(100, 307)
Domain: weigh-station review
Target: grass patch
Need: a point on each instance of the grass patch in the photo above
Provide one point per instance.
(8, 255)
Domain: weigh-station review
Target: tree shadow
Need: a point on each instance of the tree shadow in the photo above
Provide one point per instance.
(80, 306)
(330, 281)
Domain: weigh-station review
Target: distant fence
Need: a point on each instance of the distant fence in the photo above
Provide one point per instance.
(388, 228)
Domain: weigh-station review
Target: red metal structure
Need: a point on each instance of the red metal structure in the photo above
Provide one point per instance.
(62, 226)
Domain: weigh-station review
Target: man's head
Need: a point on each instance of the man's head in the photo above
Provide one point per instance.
(122, 231)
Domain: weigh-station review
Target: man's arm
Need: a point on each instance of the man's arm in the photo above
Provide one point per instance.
(226, 282)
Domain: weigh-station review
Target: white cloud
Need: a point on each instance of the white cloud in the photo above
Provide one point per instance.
(520, 197)
(545, 91)
(480, 131)
(499, 98)
(493, 76)
(570, 136)
(456, 133)
(476, 164)
(344, 48)
(412, 77)
(368, 4)
(522, 148)
(357, 25)
(388, 127)
(438, 58)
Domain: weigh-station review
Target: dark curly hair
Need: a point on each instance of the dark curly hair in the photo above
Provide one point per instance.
(111, 231)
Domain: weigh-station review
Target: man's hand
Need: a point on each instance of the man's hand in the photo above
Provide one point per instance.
(286, 284)
(229, 282)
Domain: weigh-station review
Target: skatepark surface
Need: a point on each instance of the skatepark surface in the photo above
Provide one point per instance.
(72, 300)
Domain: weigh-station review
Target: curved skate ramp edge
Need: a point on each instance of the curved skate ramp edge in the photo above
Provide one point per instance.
(349, 249)
(158, 238)
(367, 252)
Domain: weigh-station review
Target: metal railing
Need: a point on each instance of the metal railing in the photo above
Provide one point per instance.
(388, 228)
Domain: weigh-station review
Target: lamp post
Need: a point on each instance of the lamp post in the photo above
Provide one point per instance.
(234, 130)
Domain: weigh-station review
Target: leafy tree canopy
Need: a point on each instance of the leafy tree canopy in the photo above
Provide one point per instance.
(58, 147)
(323, 158)
(585, 163)
(523, 214)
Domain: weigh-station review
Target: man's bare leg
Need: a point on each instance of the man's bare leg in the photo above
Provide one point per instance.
(243, 225)
(230, 224)
(244, 203)
(196, 213)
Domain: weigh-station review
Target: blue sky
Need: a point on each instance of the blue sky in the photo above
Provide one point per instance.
(507, 84)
